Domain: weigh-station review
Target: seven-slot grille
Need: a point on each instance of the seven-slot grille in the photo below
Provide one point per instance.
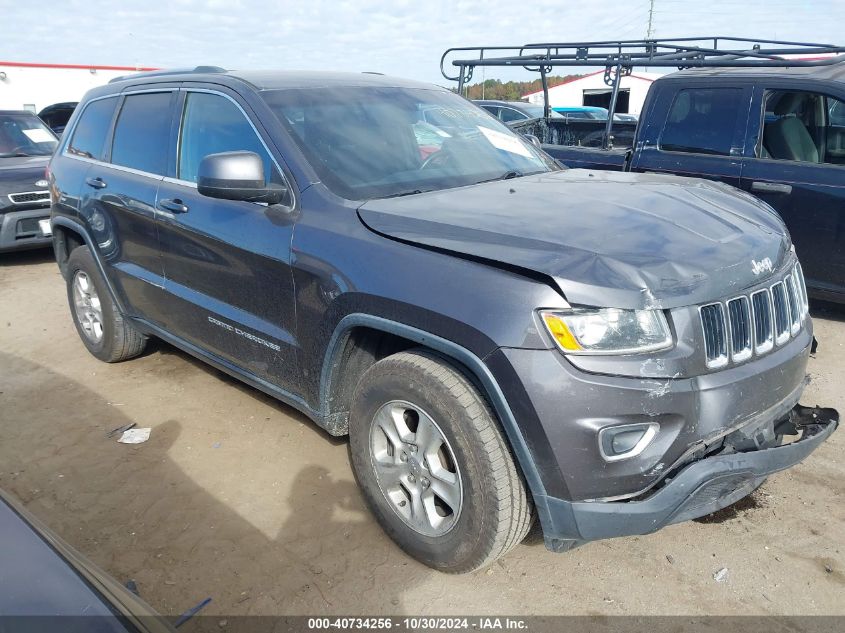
(754, 324)
(29, 197)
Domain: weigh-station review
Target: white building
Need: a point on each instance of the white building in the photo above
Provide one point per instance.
(28, 86)
(590, 90)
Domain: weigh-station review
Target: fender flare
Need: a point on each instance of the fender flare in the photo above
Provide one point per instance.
(79, 229)
(451, 350)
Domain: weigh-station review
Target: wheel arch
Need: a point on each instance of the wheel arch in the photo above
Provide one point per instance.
(335, 383)
(68, 235)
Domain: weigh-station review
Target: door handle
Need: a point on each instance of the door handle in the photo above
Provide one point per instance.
(174, 206)
(771, 187)
(96, 183)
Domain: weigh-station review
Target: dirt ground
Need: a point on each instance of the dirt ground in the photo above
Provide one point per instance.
(240, 498)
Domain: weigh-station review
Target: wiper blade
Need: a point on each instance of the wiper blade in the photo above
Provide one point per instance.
(506, 176)
(412, 192)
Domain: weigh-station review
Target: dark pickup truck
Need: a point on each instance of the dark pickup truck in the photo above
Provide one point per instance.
(776, 133)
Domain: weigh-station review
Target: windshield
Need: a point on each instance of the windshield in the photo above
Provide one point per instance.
(536, 111)
(374, 142)
(25, 135)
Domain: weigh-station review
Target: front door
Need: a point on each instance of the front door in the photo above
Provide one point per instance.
(702, 134)
(227, 263)
(799, 169)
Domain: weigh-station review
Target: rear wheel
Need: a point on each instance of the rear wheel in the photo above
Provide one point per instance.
(433, 464)
(102, 328)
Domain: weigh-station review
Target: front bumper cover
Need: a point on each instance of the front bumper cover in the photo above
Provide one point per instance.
(13, 237)
(697, 489)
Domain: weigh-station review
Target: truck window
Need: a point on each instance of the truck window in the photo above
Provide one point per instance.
(142, 132)
(804, 127)
(89, 137)
(509, 114)
(702, 121)
(212, 124)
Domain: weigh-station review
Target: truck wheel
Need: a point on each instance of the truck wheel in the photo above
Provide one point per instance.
(433, 464)
(102, 328)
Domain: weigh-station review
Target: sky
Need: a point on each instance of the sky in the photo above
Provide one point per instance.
(400, 37)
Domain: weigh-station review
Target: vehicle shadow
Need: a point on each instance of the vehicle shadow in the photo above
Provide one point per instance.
(827, 310)
(136, 512)
(165, 349)
(27, 258)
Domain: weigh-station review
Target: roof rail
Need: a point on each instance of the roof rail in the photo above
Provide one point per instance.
(171, 71)
(618, 58)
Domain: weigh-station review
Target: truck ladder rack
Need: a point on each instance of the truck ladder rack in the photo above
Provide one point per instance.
(618, 58)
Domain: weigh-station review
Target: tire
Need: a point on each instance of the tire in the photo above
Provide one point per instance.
(107, 335)
(494, 510)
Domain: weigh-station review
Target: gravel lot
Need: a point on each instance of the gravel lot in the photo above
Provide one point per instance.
(240, 498)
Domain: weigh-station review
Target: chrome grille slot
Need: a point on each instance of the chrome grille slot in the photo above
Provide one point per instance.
(761, 305)
(750, 325)
(802, 288)
(715, 339)
(794, 305)
(739, 318)
(781, 310)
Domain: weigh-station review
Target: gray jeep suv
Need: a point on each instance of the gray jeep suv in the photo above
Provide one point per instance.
(503, 340)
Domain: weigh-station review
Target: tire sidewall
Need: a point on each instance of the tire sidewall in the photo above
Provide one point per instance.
(82, 260)
(463, 543)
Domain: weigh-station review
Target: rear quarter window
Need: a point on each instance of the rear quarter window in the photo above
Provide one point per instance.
(89, 137)
(702, 121)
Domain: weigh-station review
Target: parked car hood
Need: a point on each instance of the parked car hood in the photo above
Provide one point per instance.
(605, 238)
(19, 173)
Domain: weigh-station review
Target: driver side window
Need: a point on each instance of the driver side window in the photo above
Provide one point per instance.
(212, 124)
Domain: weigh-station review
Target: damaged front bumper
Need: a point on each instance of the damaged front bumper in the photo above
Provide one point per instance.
(695, 489)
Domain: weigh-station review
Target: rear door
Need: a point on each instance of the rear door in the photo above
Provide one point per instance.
(85, 147)
(229, 287)
(119, 198)
(696, 131)
(797, 165)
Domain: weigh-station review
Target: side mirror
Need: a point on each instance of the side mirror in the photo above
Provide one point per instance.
(237, 176)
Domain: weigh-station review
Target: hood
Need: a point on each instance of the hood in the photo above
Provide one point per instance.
(605, 238)
(20, 173)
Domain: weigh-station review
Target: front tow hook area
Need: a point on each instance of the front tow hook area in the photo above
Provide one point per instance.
(699, 488)
(804, 421)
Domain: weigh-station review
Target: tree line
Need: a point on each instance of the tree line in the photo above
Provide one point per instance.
(512, 90)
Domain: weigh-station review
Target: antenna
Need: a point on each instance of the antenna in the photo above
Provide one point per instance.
(650, 30)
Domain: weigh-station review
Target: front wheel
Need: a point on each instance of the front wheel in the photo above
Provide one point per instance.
(433, 464)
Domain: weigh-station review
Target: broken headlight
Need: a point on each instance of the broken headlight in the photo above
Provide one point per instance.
(608, 330)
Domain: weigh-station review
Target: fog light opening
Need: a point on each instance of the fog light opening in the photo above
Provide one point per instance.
(626, 441)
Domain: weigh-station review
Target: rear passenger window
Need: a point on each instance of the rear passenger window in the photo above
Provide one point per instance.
(89, 137)
(702, 121)
(142, 132)
(212, 124)
(804, 127)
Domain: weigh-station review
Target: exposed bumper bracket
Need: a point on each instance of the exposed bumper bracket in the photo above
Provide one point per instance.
(699, 488)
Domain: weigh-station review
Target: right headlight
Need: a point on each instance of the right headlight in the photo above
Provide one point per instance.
(608, 330)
